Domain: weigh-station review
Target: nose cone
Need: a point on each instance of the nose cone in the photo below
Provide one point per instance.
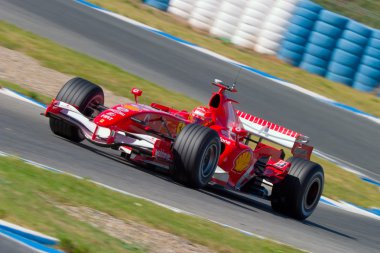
(114, 115)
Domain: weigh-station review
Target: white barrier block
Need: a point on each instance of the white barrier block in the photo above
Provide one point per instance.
(203, 14)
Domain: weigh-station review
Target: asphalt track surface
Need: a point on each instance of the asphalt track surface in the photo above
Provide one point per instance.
(23, 132)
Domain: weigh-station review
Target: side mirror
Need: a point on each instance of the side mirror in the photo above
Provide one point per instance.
(239, 131)
(137, 93)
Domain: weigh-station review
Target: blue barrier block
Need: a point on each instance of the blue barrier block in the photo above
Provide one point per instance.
(327, 29)
(369, 71)
(318, 51)
(345, 58)
(358, 28)
(298, 30)
(314, 60)
(341, 70)
(373, 52)
(28, 234)
(349, 46)
(309, 5)
(289, 56)
(376, 34)
(301, 21)
(322, 40)
(313, 69)
(366, 80)
(373, 42)
(362, 87)
(311, 15)
(333, 19)
(159, 4)
(32, 245)
(293, 47)
(295, 38)
(371, 61)
(354, 37)
(340, 79)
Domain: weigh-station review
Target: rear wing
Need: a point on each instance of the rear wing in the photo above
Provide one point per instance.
(270, 131)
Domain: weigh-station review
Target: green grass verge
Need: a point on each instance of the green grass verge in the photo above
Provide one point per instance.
(113, 78)
(166, 22)
(32, 94)
(29, 196)
(65, 60)
(364, 11)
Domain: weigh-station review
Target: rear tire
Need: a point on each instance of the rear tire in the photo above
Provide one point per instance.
(82, 94)
(299, 193)
(196, 155)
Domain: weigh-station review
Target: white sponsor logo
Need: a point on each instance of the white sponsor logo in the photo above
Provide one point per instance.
(107, 117)
(117, 112)
(225, 141)
(122, 109)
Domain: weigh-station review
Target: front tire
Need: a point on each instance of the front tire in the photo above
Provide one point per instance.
(196, 155)
(84, 95)
(299, 193)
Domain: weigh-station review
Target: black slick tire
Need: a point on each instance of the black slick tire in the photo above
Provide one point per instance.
(196, 154)
(299, 193)
(84, 95)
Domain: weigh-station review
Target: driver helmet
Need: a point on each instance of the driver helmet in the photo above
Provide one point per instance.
(201, 115)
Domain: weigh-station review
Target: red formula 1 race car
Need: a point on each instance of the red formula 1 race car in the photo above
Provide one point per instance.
(214, 144)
